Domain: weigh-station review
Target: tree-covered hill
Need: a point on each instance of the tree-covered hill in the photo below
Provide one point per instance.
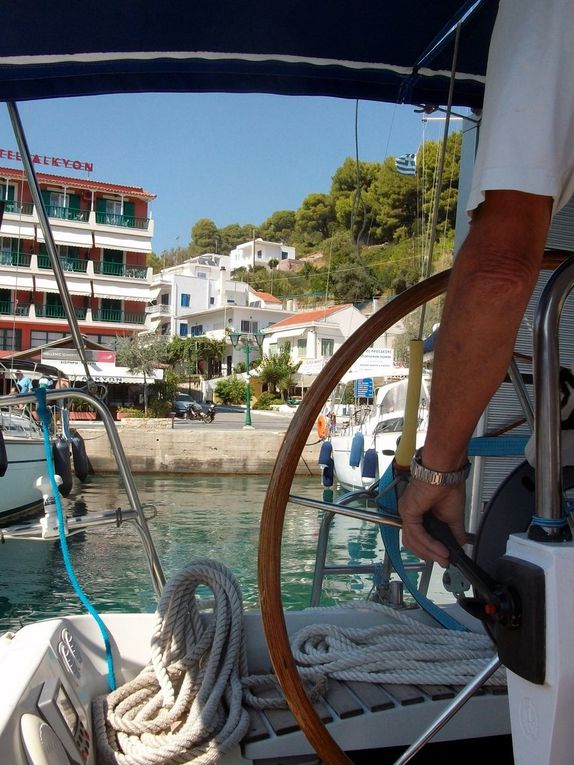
(371, 229)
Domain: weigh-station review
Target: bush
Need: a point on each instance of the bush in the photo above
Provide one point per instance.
(131, 411)
(231, 390)
(159, 408)
(266, 400)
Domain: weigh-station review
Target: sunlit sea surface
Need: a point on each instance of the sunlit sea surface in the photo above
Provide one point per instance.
(197, 517)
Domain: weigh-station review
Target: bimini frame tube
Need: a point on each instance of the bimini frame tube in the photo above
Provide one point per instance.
(546, 367)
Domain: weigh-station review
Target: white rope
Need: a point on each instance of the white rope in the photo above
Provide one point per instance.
(189, 703)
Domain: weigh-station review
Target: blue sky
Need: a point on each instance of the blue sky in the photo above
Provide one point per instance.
(231, 158)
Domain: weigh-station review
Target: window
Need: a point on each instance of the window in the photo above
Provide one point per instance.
(164, 299)
(284, 255)
(302, 346)
(211, 301)
(197, 330)
(10, 339)
(37, 337)
(184, 300)
(249, 326)
(183, 329)
(201, 275)
(327, 347)
(164, 329)
(108, 340)
(259, 254)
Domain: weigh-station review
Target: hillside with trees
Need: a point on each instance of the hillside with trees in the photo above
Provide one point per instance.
(369, 234)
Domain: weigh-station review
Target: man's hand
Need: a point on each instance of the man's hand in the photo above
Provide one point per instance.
(446, 502)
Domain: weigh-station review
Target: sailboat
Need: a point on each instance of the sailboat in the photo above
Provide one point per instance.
(199, 681)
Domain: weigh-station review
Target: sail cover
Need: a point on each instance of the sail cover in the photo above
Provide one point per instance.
(398, 51)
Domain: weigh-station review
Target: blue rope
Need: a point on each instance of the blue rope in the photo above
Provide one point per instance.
(45, 416)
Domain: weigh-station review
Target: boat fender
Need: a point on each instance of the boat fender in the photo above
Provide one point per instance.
(63, 465)
(326, 453)
(322, 426)
(3, 455)
(328, 473)
(79, 456)
(356, 453)
(370, 464)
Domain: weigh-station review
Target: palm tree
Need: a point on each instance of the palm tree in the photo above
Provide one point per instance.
(278, 370)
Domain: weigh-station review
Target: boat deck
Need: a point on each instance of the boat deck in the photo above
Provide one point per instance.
(377, 716)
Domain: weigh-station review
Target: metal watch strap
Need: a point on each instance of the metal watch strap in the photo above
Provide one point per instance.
(437, 477)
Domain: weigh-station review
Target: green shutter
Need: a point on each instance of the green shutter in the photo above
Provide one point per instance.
(74, 202)
(129, 214)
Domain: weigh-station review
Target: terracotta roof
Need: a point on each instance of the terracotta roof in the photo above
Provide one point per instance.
(78, 183)
(308, 317)
(266, 296)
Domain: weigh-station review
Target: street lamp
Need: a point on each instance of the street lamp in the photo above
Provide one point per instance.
(247, 339)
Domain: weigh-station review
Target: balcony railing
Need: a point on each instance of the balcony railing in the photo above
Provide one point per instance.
(108, 268)
(12, 258)
(159, 308)
(118, 316)
(125, 221)
(20, 208)
(58, 312)
(7, 308)
(79, 265)
(68, 213)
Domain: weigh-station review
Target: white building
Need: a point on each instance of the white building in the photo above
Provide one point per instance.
(314, 336)
(259, 252)
(217, 323)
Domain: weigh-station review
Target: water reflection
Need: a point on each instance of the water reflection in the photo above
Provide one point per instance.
(197, 516)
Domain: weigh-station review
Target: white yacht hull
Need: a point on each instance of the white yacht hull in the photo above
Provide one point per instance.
(351, 477)
(26, 462)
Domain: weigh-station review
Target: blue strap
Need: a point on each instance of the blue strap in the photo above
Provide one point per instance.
(481, 446)
(45, 416)
(497, 446)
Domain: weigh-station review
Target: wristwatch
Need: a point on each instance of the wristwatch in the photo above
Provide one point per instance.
(438, 477)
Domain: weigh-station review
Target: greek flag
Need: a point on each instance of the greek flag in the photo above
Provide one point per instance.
(406, 164)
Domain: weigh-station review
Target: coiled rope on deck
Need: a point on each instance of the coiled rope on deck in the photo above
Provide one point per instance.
(189, 704)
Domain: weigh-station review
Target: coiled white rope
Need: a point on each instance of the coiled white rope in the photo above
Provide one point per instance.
(189, 704)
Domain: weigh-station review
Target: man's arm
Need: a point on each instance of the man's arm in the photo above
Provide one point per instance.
(492, 280)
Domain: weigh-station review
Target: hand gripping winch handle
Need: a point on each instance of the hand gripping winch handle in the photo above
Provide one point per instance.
(483, 583)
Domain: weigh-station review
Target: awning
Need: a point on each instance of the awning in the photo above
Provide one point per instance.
(122, 291)
(399, 52)
(75, 286)
(103, 372)
(17, 282)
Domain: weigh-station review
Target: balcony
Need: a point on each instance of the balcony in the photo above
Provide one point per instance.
(124, 221)
(77, 265)
(12, 258)
(19, 208)
(107, 268)
(68, 213)
(13, 309)
(58, 312)
(161, 309)
(118, 317)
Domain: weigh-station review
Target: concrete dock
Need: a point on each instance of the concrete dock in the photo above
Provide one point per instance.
(154, 446)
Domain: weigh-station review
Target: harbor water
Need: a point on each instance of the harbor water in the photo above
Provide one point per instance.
(196, 517)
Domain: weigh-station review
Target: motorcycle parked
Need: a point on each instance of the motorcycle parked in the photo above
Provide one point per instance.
(195, 412)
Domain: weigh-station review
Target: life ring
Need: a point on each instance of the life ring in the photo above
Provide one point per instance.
(322, 426)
